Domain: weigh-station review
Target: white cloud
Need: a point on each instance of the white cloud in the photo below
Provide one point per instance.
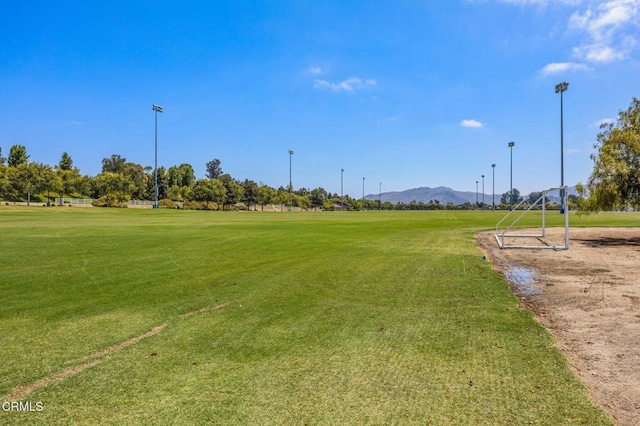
(560, 67)
(349, 85)
(602, 121)
(471, 123)
(316, 71)
(611, 29)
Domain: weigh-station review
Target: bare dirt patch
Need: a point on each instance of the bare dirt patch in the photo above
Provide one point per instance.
(588, 297)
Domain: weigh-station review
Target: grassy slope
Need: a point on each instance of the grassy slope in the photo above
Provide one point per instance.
(332, 318)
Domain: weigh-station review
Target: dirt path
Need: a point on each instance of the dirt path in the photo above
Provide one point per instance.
(589, 298)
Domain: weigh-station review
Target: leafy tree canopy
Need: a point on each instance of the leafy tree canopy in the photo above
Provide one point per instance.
(615, 180)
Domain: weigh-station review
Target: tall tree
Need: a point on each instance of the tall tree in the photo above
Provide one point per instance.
(66, 163)
(209, 190)
(29, 179)
(615, 180)
(17, 155)
(2, 158)
(113, 164)
(214, 170)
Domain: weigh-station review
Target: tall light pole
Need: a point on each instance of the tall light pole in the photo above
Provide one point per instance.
(290, 184)
(380, 197)
(156, 109)
(493, 190)
(511, 144)
(482, 192)
(561, 88)
(363, 193)
(477, 195)
(341, 188)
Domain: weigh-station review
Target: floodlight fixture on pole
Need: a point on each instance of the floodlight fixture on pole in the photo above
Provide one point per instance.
(156, 109)
(290, 184)
(511, 144)
(493, 190)
(341, 189)
(482, 192)
(477, 205)
(561, 88)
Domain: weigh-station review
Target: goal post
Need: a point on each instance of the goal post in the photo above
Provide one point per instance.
(505, 234)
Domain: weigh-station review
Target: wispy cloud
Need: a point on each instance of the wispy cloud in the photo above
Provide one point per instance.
(349, 85)
(611, 29)
(316, 71)
(602, 121)
(471, 123)
(560, 67)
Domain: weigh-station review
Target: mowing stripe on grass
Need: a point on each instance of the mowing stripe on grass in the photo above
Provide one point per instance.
(22, 391)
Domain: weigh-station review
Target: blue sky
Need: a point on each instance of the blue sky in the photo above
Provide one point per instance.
(406, 93)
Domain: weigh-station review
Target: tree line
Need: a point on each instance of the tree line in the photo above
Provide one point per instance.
(614, 182)
(120, 181)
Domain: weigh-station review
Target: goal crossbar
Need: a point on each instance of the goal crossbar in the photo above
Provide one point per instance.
(508, 231)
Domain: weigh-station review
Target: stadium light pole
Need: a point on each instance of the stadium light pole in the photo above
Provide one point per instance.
(290, 184)
(482, 192)
(511, 144)
(561, 88)
(156, 110)
(493, 190)
(477, 205)
(341, 189)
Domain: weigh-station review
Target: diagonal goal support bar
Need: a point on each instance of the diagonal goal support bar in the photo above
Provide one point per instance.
(508, 231)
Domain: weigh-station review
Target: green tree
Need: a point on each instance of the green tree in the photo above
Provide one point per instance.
(17, 155)
(182, 175)
(233, 188)
(266, 195)
(615, 180)
(66, 163)
(214, 170)
(514, 199)
(114, 187)
(28, 179)
(209, 190)
(249, 192)
(318, 197)
(113, 164)
(70, 181)
(138, 177)
(2, 158)
(5, 182)
(51, 181)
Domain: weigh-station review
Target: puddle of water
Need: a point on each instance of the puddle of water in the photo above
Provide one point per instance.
(523, 280)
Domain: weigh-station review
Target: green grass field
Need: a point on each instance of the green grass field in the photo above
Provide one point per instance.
(293, 318)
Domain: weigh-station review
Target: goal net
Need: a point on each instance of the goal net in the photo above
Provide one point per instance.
(508, 236)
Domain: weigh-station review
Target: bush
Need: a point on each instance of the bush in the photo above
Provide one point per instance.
(167, 204)
(107, 201)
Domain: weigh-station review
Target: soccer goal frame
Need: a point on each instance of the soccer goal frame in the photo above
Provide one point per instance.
(508, 231)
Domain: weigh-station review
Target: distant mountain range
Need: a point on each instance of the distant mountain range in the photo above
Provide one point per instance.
(444, 195)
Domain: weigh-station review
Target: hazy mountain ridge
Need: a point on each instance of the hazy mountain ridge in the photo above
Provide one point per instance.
(445, 195)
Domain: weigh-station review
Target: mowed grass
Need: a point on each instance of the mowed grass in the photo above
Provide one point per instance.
(303, 318)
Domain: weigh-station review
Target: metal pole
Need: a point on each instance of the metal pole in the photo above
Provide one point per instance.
(482, 192)
(380, 197)
(363, 193)
(290, 184)
(477, 205)
(341, 188)
(156, 109)
(511, 144)
(561, 88)
(493, 190)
